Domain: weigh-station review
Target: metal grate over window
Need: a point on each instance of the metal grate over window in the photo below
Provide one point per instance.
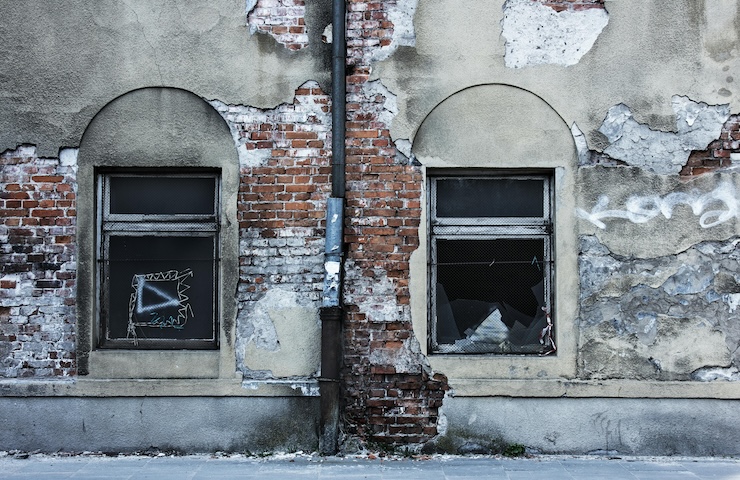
(491, 265)
(158, 259)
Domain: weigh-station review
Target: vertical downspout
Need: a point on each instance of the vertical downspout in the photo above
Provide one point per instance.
(331, 308)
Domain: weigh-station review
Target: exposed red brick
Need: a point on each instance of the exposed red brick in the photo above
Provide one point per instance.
(37, 271)
(717, 154)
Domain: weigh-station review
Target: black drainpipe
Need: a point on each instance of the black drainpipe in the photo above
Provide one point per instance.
(331, 305)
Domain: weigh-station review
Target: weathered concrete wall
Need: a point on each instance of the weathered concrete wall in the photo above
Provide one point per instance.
(650, 230)
(663, 307)
(621, 102)
(183, 424)
(130, 83)
(591, 425)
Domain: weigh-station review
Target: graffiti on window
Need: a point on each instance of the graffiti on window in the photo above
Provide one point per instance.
(159, 300)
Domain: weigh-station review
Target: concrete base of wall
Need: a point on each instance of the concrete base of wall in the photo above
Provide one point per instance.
(695, 427)
(183, 424)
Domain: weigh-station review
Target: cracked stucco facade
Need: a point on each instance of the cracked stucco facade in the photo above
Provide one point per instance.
(632, 109)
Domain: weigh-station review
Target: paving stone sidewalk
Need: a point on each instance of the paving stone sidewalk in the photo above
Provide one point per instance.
(307, 467)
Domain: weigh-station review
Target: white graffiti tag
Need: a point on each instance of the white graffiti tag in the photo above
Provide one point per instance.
(713, 208)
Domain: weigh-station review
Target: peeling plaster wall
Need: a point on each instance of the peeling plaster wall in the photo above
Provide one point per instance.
(658, 275)
(614, 104)
(660, 318)
(279, 336)
(652, 222)
(62, 62)
(284, 166)
(697, 124)
(644, 56)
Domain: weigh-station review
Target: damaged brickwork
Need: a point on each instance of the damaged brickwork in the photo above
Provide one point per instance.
(284, 20)
(284, 182)
(390, 394)
(37, 282)
(721, 153)
(664, 318)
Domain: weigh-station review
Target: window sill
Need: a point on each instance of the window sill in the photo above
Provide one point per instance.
(615, 388)
(155, 364)
(504, 366)
(97, 387)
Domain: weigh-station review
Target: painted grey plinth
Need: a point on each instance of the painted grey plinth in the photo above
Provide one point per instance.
(642, 426)
(185, 424)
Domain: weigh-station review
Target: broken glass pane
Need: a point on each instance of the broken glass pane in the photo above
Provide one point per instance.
(490, 295)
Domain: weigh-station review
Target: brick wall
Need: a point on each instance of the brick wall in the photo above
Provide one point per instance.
(717, 154)
(37, 257)
(284, 20)
(285, 163)
(390, 394)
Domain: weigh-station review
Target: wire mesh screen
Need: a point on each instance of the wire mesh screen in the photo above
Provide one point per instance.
(159, 257)
(492, 295)
(491, 264)
(161, 287)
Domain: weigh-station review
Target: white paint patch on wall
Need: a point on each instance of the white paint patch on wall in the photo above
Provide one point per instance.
(663, 153)
(389, 109)
(584, 154)
(710, 374)
(712, 208)
(536, 34)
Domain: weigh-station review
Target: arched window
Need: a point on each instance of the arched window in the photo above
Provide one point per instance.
(158, 242)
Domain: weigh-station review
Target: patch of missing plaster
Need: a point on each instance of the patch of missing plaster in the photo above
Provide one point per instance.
(660, 318)
(375, 296)
(311, 109)
(404, 155)
(68, 157)
(584, 154)
(536, 34)
(401, 14)
(278, 336)
(663, 153)
(389, 105)
(328, 34)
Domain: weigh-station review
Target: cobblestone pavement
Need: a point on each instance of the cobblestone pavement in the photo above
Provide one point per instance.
(307, 467)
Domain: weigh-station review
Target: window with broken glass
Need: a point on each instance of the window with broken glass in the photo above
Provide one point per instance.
(158, 254)
(491, 264)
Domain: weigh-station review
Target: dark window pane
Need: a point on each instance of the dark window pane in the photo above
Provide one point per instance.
(162, 195)
(490, 197)
(161, 288)
(490, 294)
